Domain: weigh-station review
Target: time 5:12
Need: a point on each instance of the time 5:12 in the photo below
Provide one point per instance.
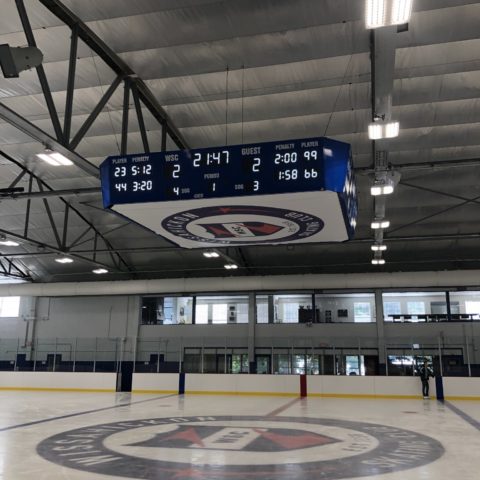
(141, 169)
(134, 169)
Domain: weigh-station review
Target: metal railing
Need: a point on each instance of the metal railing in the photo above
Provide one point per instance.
(450, 355)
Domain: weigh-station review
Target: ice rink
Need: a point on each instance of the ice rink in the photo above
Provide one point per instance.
(47, 435)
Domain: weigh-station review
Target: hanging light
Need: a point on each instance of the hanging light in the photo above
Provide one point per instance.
(211, 254)
(382, 13)
(382, 187)
(231, 266)
(378, 248)
(100, 271)
(401, 12)
(54, 158)
(9, 243)
(375, 13)
(380, 130)
(375, 131)
(377, 224)
(392, 129)
(64, 260)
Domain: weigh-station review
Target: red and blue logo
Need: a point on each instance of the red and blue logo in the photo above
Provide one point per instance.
(242, 224)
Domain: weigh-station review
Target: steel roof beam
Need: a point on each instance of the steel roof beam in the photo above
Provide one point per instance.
(73, 209)
(440, 212)
(29, 207)
(50, 216)
(46, 140)
(160, 250)
(8, 272)
(116, 64)
(125, 112)
(94, 114)
(42, 77)
(141, 121)
(470, 162)
(438, 192)
(52, 248)
(53, 193)
(72, 65)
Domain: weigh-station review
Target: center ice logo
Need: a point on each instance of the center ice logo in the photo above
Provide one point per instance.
(240, 447)
(236, 438)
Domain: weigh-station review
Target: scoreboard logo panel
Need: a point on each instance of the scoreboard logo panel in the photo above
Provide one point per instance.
(242, 224)
(292, 191)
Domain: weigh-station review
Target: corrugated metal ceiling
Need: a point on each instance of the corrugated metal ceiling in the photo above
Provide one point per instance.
(296, 69)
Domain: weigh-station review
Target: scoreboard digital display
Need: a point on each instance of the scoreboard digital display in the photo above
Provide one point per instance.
(289, 174)
(256, 169)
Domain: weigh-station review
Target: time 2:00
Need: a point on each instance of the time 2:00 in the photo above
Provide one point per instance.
(292, 157)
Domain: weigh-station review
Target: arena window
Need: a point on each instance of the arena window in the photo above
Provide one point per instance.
(9, 307)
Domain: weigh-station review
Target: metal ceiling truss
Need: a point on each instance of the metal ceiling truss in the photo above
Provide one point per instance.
(140, 91)
(435, 214)
(45, 139)
(9, 269)
(63, 141)
(9, 193)
(61, 233)
(438, 192)
(167, 250)
(427, 165)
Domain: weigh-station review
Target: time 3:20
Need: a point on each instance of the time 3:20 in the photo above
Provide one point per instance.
(142, 186)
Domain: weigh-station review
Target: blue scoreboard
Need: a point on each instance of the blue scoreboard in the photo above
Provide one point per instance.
(293, 191)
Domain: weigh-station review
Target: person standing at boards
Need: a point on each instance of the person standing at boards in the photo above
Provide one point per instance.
(425, 372)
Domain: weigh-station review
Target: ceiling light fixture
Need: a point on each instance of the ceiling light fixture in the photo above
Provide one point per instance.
(382, 13)
(9, 243)
(211, 254)
(64, 260)
(54, 158)
(381, 187)
(231, 266)
(377, 224)
(375, 131)
(392, 129)
(401, 12)
(375, 13)
(378, 248)
(378, 261)
(99, 271)
(381, 130)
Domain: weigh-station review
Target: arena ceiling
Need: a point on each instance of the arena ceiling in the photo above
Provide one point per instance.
(209, 72)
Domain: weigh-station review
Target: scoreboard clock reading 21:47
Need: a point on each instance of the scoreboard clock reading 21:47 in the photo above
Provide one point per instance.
(293, 191)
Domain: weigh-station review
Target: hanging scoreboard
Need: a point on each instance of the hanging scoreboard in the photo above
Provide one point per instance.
(294, 191)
